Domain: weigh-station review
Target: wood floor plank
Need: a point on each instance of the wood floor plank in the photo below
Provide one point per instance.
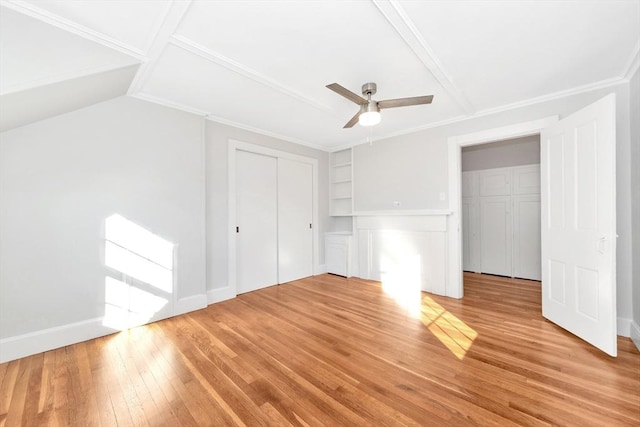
(333, 351)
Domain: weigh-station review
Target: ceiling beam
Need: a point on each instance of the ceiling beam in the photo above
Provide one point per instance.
(172, 18)
(236, 67)
(400, 21)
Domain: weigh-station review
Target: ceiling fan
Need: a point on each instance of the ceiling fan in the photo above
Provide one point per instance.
(369, 113)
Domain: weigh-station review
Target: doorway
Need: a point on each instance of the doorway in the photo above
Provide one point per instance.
(500, 190)
(455, 286)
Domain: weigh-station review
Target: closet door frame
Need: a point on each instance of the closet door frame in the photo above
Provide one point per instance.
(234, 147)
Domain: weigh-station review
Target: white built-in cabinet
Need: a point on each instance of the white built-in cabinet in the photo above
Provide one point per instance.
(501, 221)
(337, 246)
(274, 217)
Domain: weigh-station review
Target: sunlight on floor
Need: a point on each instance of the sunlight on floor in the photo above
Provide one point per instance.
(143, 266)
(401, 276)
(456, 335)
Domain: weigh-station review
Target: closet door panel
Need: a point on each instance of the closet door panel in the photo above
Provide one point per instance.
(495, 229)
(470, 235)
(495, 182)
(295, 216)
(526, 179)
(526, 237)
(257, 221)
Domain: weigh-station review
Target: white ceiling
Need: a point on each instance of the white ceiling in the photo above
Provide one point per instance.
(263, 65)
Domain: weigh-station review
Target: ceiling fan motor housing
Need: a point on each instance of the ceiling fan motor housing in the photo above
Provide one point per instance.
(369, 89)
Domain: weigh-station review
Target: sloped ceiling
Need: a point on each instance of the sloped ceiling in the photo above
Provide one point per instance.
(263, 65)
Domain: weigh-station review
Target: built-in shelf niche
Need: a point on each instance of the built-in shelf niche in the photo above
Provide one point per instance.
(341, 173)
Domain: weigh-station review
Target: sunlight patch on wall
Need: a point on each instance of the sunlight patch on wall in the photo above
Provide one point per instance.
(456, 335)
(402, 276)
(138, 253)
(144, 262)
(127, 306)
(401, 279)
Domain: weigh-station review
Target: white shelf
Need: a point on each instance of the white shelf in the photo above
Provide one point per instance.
(341, 178)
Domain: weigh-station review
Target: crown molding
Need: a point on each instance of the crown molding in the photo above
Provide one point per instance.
(228, 63)
(633, 64)
(72, 27)
(264, 132)
(603, 84)
(406, 29)
(207, 116)
(166, 103)
(169, 24)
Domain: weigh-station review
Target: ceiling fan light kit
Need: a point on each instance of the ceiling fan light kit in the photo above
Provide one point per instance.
(369, 114)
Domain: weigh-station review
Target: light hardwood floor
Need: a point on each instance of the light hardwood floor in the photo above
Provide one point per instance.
(336, 352)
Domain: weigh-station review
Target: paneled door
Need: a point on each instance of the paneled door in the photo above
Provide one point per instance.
(295, 220)
(579, 224)
(256, 221)
(496, 241)
(526, 236)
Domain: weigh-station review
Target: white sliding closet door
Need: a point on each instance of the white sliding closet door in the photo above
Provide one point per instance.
(257, 221)
(495, 220)
(295, 217)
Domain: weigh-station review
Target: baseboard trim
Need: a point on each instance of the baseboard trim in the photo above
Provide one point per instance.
(51, 338)
(220, 294)
(321, 269)
(60, 336)
(635, 334)
(624, 327)
(192, 303)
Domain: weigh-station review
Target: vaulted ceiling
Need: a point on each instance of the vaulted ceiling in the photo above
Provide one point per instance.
(263, 65)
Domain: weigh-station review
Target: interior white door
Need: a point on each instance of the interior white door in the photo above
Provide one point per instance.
(470, 235)
(578, 224)
(526, 237)
(295, 218)
(257, 221)
(496, 241)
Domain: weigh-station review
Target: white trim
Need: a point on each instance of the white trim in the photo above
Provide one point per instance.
(236, 67)
(406, 29)
(235, 145)
(264, 132)
(416, 212)
(172, 17)
(635, 334)
(322, 268)
(51, 338)
(220, 294)
(633, 63)
(72, 27)
(167, 103)
(455, 143)
(623, 327)
(191, 303)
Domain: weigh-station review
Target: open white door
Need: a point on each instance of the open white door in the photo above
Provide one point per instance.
(579, 224)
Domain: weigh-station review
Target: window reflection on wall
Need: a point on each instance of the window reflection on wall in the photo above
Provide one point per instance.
(142, 279)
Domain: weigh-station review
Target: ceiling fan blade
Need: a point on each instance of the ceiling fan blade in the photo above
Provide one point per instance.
(353, 121)
(347, 93)
(404, 102)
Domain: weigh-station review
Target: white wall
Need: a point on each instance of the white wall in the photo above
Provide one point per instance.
(217, 144)
(412, 168)
(512, 152)
(635, 196)
(62, 177)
